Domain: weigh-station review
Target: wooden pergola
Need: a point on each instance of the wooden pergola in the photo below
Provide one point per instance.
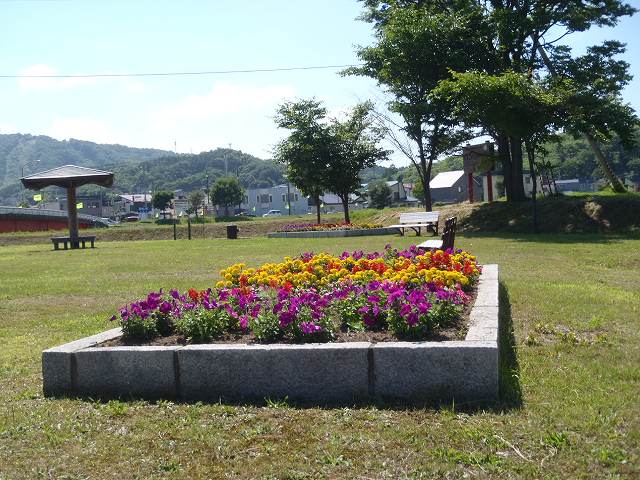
(69, 177)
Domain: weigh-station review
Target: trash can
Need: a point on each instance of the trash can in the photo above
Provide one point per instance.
(232, 232)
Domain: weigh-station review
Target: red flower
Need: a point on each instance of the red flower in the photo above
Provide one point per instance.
(193, 294)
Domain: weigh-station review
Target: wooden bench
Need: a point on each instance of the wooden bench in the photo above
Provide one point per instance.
(447, 240)
(66, 241)
(418, 220)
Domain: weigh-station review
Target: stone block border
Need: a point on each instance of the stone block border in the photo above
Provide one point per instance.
(361, 232)
(330, 373)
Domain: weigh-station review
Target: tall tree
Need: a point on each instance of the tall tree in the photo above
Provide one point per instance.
(161, 200)
(417, 44)
(196, 200)
(379, 194)
(226, 192)
(305, 152)
(519, 29)
(353, 146)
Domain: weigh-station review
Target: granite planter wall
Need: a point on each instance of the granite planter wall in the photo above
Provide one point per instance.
(330, 373)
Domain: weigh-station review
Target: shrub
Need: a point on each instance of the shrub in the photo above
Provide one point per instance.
(204, 324)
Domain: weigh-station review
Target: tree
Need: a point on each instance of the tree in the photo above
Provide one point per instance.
(196, 200)
(353, 146)
(517, 39)
(323, 154)
(161, 200)
(305, 151)
(379, 194)
(417, 44)
(226, 192)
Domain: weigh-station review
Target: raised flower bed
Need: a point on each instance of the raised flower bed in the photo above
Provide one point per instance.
(304, 304)
(317, 230)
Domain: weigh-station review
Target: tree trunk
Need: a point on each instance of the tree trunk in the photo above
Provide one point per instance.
(517, 171)
(614, 181)
(534, 181)
(425, 173)
(345, 206)
(504, 154)
(317, 200)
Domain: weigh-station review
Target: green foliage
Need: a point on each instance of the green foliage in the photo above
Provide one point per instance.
(196, 199)
(379, 194)
(201, 325)
(417, 45)
(266, 326)
(167, 221)
(304, 152)
(324, 154)
(139, 328)
(162, 199)
(227, 192)
(444, 314)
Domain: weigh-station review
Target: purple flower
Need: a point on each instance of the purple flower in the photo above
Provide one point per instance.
(309, 328)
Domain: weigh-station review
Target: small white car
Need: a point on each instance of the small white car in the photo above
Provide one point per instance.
(273, 213)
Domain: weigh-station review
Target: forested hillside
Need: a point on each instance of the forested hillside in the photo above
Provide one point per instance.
(36, 153)
(136, 169)
(190, 172)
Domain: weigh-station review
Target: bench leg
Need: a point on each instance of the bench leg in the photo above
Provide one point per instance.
(65, 246)
(92, 246)
(83, 245)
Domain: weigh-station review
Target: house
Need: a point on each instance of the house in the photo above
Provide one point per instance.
(574, 185)
(258, 201)
(331, 203)
(139, 203)
(452, 187)
(94, 205)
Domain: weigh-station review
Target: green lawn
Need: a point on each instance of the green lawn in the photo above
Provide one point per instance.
(570, 407)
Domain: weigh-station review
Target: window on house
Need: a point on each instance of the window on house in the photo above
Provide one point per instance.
(459, 189)
(296, 197)
(284, 198)
(270, 198)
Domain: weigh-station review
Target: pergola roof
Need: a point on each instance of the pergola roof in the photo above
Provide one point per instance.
(67, 176)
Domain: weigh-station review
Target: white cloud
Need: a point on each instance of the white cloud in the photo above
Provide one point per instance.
(226, 99)
(81, 128)
(48, 83)
(7, 128)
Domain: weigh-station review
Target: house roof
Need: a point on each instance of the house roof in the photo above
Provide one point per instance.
(446, 179)
(333, 199)
(67, 176)
(137, 197)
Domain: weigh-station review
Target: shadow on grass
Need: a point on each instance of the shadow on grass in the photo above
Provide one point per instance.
(509, 380)
(556, 238)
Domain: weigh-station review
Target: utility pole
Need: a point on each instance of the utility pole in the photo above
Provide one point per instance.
(615, 182)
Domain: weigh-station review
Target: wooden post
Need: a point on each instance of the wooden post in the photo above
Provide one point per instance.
(470, 183)
(72, 210)
(489, 186)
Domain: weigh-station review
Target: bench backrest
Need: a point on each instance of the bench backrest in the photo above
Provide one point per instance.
(419, 217)
(449, 233)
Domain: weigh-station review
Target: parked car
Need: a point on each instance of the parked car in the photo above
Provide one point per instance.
(273, 213)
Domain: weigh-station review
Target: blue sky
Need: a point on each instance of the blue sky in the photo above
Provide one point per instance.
(199, 112)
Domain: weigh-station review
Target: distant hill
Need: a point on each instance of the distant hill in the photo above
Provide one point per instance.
(136, 169)
(37, 153)
(192, 172)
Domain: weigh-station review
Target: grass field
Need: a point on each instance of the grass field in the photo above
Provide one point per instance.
(570, 406)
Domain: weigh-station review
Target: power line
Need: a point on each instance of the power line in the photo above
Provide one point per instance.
(175, 74)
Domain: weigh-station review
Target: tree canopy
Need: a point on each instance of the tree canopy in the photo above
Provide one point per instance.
(227, 192)
(326, 154)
